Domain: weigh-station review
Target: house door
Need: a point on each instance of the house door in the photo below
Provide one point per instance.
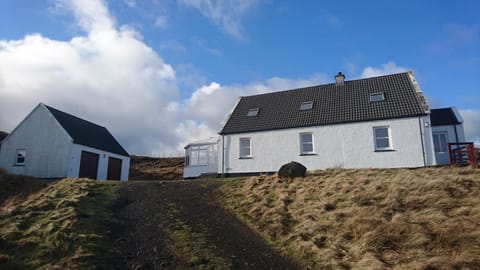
(114, 168)
(440, 144)
(88, 165)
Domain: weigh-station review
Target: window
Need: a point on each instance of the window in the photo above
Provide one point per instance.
(252, 112)
(197, 156)
(306, 143)
(20, 157)
(245, 147)
(307, 105)
(440, 142)
(382, 138)
(374, 97)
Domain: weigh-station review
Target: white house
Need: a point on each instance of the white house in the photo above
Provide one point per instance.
(447, 127)
(201, 158)
(50, 143)
(380, 122)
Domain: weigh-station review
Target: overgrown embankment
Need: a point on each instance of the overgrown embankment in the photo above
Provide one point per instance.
(367, 219)
(152, 168)
(60, 226)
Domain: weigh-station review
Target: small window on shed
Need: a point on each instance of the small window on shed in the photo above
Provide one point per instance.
(252, 112)
(306, 105)
(20, 157)
(375, 97)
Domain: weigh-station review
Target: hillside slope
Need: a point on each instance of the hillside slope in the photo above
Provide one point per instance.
(151, 168)
(60, 226)
(367, 219)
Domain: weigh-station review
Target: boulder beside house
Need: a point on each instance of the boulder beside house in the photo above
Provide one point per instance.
(53, 144)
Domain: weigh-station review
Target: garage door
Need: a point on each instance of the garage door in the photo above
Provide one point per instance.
(114, 168)
(88, 165)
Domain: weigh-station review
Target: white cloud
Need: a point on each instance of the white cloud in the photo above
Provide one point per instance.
(226, 14)
(130, 3)
(384, 69)
(108, 76)
(161, 22)
(471, 124)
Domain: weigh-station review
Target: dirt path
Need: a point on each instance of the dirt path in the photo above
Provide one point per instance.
(179, 225)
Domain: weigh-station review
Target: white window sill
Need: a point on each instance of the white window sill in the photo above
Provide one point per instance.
(385, 150)
(308, 154)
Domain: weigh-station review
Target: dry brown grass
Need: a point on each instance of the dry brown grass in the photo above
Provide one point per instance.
(17, 186)
(61, 226)
(367, 219)
(150, 168)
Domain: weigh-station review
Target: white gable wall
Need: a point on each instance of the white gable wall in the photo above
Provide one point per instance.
(47, 145)
(74, 162)
(343, 145)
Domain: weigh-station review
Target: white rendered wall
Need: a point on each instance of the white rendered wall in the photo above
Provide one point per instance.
(74, 162)
(344, 145)
(46, 142)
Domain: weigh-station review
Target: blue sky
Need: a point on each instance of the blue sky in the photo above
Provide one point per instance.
(171, 70)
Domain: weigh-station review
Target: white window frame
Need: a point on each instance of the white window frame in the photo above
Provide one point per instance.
(195, 157)
(240, 152)
(302, 143)
(441, 146)
(23, 153)
(376, 97)
(389, 137)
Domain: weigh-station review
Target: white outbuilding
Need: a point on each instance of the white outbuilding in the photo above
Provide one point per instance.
(201, 158)
(53, 144)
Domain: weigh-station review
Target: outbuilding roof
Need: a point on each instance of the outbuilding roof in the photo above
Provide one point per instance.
(444, 117)
(383, 97)
(87, 133)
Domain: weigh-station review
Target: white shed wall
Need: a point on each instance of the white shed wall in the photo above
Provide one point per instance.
(343, 145)
(46, 142)
(74, 162)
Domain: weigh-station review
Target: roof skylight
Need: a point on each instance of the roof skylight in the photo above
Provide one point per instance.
(375, 97)
(252, 112)
(306, 105)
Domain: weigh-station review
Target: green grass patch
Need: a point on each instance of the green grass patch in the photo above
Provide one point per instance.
(190, 246)
(62, 225)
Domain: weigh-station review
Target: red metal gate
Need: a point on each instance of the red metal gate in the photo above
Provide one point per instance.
(462, 153)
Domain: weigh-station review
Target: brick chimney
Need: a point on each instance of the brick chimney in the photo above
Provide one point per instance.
(339, 79)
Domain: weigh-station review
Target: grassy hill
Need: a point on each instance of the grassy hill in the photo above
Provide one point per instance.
(150, 168)
(333, 219)
(367, 219)
(59, 226)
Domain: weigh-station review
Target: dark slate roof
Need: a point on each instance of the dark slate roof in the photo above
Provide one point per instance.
(333, 104)
(3, 135)
(87, 133)
(443, 117)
